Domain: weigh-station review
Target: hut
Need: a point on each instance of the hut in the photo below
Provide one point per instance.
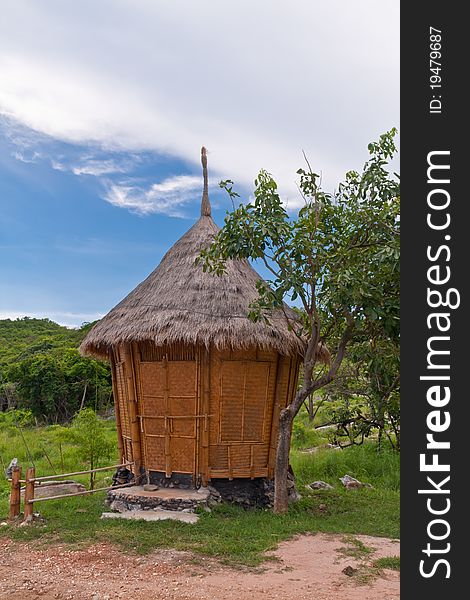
(198, 386)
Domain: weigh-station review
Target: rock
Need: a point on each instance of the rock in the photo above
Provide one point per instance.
(320, 485)
(150, 487)
(349, 571)
(350, 483)
(9, 469)
(118, 506)
(122, 476)
(214, 494)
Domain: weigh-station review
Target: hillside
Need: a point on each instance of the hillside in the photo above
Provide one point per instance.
(24, 337)
(42, 371)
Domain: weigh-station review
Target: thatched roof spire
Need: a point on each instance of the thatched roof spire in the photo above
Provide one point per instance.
(205, 204)
(180, 303)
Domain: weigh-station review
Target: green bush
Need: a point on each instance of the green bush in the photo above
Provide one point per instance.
(21, 417)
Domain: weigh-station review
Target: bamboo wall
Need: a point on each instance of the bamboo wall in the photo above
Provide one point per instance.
(210, 414)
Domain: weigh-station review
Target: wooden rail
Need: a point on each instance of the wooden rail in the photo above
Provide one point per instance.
(30, 481)
(62, 475)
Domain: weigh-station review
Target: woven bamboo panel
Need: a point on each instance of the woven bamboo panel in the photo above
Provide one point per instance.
(218, 457)
(153, 426)
(229, 354)
(237, 472)
(260, 454)
(155, 453)
(270, 400)
(183, 409)
(239, 456)
(243, 400)
(255, 400)
(182, 378)
(232, 383)
(151, 353)
(214, 401)
(122, 394)
(182, 455)
(152, 378)
(266, 355)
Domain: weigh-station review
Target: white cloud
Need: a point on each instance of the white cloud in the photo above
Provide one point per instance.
(21, 156)
(256, 82)
(167, 197)
(93, 166)
(101, 167)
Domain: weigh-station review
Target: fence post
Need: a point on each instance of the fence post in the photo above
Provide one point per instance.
(15, 494)
(29, 494)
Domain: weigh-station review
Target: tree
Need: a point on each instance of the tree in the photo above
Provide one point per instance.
(335, 260)
(54, 385)
(89, 435)
(41, 369)
(364, 398)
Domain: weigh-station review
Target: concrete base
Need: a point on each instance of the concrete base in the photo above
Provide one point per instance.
(153, 515)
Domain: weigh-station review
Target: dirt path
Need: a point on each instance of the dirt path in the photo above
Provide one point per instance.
(308, 567)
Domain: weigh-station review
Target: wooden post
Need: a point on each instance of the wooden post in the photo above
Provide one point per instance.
(136, 360)
(132, 398)
(117, 411)
(15, 494)
(29, 494)
(205, 379)
(168, 423)
(275, 416)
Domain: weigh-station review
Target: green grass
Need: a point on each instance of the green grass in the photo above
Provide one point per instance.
(355, 548)
(229, 533)
(388, 562)
(380, 469)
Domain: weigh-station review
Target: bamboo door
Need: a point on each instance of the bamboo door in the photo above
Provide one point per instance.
(168, 415)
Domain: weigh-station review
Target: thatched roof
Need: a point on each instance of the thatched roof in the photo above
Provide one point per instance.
(178, 302)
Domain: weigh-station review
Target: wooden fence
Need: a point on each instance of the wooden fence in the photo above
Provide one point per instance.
(30, 484)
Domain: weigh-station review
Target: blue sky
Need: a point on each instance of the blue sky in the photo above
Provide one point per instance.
(70, 248)
(104, 107)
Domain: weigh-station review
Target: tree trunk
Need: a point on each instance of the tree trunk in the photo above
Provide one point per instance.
(286, 418)
(282, 462)
(92, 475)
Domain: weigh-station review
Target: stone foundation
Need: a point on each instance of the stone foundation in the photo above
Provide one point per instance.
(251, 493)
(177, 493)
(137, 498)
(177, 480)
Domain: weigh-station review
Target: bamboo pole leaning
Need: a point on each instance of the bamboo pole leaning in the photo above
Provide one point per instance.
(84, 493)
(61, 475)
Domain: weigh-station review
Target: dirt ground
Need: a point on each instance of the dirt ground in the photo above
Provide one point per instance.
(307, 567)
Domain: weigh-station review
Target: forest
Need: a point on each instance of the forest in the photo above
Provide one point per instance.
(42, 372)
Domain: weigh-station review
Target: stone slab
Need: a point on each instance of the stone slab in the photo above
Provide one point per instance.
(56, 488)
(153, 515)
